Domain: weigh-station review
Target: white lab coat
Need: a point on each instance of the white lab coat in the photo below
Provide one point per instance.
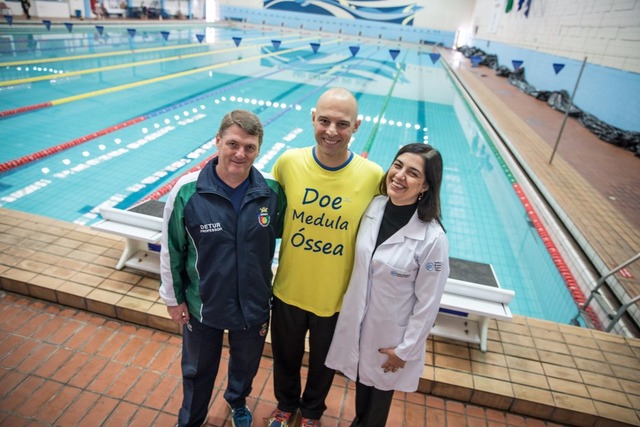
(392, 301)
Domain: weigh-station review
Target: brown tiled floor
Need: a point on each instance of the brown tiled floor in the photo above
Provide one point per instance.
(84, 344)
(533, 369)
(62, 366)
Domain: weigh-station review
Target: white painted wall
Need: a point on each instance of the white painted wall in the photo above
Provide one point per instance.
(15, 7)
(606, 31)
(42, 9)
(449, 15)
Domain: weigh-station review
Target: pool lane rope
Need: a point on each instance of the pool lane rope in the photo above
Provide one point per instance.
(47, 77)
(11, 164)
(116, 53)
(6, 166)
(569, 280)
(100, 92)
(70, 144)
(98, 55)
(160, 192)
(376, 127)
(157, 194)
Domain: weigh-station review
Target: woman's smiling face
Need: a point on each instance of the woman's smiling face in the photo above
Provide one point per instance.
(406, 179)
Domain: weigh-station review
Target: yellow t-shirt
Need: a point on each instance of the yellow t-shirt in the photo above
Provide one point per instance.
(320, 227)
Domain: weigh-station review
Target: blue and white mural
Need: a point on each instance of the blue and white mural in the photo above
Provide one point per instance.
(385, 11)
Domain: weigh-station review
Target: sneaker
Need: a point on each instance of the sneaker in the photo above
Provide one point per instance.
(279, 418)
(308, 422)
(241, 417)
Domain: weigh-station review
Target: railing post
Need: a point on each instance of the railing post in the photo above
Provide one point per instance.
(566, 114)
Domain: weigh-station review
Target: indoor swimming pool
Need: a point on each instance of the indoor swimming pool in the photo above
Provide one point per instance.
(96, 117)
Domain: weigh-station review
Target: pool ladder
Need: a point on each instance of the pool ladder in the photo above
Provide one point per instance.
(595, 294)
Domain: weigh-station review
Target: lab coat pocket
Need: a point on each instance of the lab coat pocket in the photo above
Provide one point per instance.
(394, 288)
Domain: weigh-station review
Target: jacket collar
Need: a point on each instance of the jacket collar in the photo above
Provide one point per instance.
(207, 182)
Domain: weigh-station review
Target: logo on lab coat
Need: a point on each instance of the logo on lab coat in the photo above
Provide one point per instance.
(433, 266)
(397, 274)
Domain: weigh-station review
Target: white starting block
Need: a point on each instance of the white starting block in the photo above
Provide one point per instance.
(140, 225)
(472, 297)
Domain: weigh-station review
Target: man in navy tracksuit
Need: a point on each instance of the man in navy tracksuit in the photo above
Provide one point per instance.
(218, 241)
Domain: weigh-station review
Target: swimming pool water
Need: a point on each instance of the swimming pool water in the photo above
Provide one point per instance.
(180, 88)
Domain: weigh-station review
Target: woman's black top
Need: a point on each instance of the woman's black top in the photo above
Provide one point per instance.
(395, 217)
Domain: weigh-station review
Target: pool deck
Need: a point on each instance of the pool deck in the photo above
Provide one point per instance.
(82, 341)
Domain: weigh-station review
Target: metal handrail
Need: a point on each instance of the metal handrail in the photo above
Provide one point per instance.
(620, 312)
(596, 288)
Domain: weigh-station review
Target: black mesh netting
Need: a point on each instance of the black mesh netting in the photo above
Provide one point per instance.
(559, 100)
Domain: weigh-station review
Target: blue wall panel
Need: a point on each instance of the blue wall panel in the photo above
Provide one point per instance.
(607, 93)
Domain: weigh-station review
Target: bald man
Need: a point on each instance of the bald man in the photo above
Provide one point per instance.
(328, 188)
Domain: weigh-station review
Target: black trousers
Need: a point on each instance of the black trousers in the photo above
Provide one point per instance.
(372, 406)
(201, 352)
(289, 326)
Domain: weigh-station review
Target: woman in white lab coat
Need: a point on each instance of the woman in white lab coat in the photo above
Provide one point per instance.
(400, 269)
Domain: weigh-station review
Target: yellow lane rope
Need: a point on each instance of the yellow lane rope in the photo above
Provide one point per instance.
(115, 53)
(125, 65)
(173, 76)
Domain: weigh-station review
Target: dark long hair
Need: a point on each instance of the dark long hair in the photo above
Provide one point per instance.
(429, 203)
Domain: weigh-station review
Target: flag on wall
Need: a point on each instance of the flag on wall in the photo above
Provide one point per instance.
(520, 4)
(509, 6)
